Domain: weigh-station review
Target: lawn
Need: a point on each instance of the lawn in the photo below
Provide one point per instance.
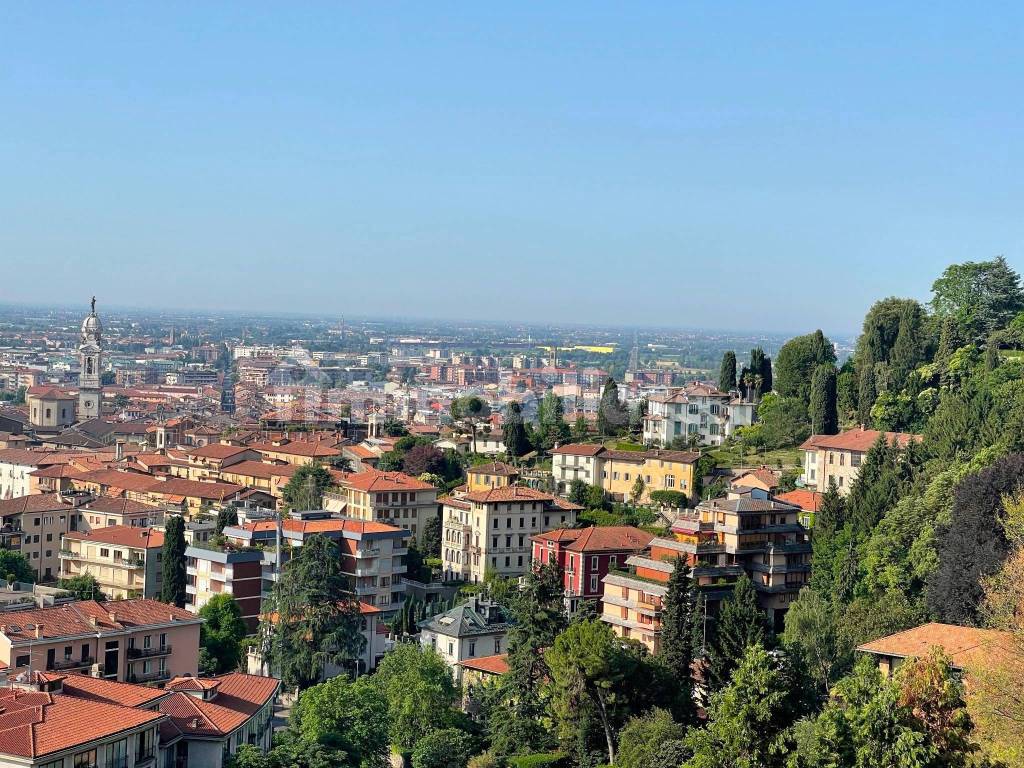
(729, 456)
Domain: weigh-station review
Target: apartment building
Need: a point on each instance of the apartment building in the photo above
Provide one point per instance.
(837, 458)
(268, 476)
(34, 525)
(697, 411)
(372, 553)
(126, 561)
(616, 471)
(491, 530)
(298, 452)
(105, 511)
(476, 628)
(386, 497)
(586, 555)
(16, 467)
(210, 461)
(87, 721)
(495, 474)
(632, 605)
(212, 570)
(141, 641)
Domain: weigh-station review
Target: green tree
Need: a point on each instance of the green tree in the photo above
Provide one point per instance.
(580, 430)
(516, 442)
(812, 635)
(84, 587)
(636, 493)
(432, 536)
(225, 517)
(579, 491)
(727, 372)
(551, 428)
(317, 621)
(348, 717)
(172, 588)
(823, 408)
(867, 393)
(678, 618)
(741, 623)
(15, 567)
(220, 637)
(643, 737)
(446, 748)
(761, 365)
(796, 362)
(980, 296)
(909, 348)
(305, 489)
(749, 719)
(420, 693)
(611, 414)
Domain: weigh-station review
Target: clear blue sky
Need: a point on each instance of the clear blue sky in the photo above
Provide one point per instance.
(739, 165)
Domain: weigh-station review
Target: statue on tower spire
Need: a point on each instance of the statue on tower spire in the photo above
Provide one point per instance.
(94, 305)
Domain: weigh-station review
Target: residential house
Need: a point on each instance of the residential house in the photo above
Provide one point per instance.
(837, 458)
(699, 412)
(490, 530)
(964, 646)
(34, 525)
(584, 556)
(298, 452)
(212, 570)
(495, 474)
(616, 471)
(126, 561)
(137, 640)
(387, 497)
(476, 628)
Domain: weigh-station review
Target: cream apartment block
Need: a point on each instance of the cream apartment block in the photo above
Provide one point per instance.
(836, 459)
(490, 530)
(385, 497)
(34, 525)
(697, 411)
(126, 561)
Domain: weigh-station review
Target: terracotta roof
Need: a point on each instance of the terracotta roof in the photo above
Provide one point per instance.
(858, 439)
(492, 665)
(613, 538)
(112, 478)
(179, 486)
(579, 449)
(189, 683)
(25, 456)
(100, 689)
(324, 526)
(121, 536)
(360, 451)
(117, 506)
(74, 618)
(239, 697)
(252, 468)
(36, 502)
(961, 644)
(809, 501)
(763, 475)
(373, 481)
(298, 448)
(508, 493)
(497, 468)
(33, 724)
(217, 451)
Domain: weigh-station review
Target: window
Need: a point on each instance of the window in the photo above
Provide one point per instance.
(854, 459)
(613, 561)
(691, 429)
(842, 459)
(85, 759)
(593, 583)
(104, 552)
(593, 562)
(497, 645)
(21, 661)
(451, 648)
(670, 481)
(472, 647)
(117, 754)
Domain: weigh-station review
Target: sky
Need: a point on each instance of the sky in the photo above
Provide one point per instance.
(774, 166)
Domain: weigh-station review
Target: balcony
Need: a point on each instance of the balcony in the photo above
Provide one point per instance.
(60, 664)
(367, 552)
(367, 570)
(149, 677)
(146, 653)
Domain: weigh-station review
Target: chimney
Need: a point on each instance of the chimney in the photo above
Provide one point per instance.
(112, 617)
(92, 622)
(39, 631)
(118, 450)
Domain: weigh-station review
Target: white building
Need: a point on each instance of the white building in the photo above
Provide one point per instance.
(475, 628)
(699, 411)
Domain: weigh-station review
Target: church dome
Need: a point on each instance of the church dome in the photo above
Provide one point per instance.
(91, 326)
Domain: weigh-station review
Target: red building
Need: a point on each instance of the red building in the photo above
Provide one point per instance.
(585, 555)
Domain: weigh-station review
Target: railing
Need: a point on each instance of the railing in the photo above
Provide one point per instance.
(144, 653)
(88, 661)
(148, 677)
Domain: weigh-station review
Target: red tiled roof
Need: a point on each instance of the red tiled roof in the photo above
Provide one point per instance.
(179, 486)
(333, 524)
(492, 665)
(308, 448)
(34, 724)
(858, 439)
(100, 689)
(261, 469)
(961, 644)
(239, 697)
(373, 481)
(36, 502)
(508, 493)
(217, 451)
(110, 505)
(612, 538)
(809, 501)
(74, 618)
(497, 468)
(121, 536)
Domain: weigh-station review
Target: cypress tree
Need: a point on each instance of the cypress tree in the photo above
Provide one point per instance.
(866, 394)
(828, 521)
(907, 350)
(516, 442)
(611, 416)
(727, 372)
(677, 648)
(741, 623)
(761, 365)
(823, 407)
(172, 590)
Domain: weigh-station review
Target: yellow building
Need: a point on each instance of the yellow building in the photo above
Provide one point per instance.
(616, 471)
(495, 474)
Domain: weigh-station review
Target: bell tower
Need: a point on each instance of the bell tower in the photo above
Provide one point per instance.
(90, 352)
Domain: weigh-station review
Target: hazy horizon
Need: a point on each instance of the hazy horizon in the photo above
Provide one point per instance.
(699, 167)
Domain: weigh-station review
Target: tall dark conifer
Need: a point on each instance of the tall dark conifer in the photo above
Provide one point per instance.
(823, 408)
(727, 372)
(172, 589)
(677, 649)
(741, 623)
